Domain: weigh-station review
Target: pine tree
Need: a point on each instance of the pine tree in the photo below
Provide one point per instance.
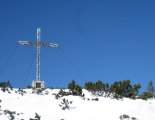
(74, 88)
(90, 86)
(99, 86)
(135, 91)
(151, 88)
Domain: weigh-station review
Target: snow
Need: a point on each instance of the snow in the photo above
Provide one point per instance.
(82, 108)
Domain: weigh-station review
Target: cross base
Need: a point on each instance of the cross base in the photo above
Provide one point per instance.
(38, 84)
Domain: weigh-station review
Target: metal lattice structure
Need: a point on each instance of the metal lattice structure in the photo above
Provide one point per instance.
(38, 83)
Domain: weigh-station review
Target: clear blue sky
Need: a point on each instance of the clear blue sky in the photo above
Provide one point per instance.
(99, 40)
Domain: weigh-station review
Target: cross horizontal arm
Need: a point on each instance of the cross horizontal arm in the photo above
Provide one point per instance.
(44, 44)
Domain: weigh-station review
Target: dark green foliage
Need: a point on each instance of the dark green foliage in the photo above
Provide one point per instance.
(118, 89)
(135, 91)
(74, 88)
(107, 87)
(72, 85)
(145, 96)
(151, 88)
(39, 91)
(121, 89)
(124, 89)
(149, 93)
(90, 86)
(29, 87)
(61, 94)
(5, 85)
(98, 88)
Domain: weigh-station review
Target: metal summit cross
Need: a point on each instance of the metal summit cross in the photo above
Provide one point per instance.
(38, 83)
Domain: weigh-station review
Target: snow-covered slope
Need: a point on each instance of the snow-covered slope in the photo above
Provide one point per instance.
(23, 107)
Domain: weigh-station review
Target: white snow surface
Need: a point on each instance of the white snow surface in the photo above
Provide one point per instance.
(47, 106)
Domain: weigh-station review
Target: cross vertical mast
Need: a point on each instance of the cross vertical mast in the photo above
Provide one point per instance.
(38, 55)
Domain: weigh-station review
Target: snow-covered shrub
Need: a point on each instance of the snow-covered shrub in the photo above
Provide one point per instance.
(10, 113)
(20, 91)
(133, 118)
(57, 96)
(0, 105)
(126, 117)
(46, 92)
(37, 117)
(95, 99)
(65, 104)
(63, 93)
(5, 86)
(122, 117)
(38, 91)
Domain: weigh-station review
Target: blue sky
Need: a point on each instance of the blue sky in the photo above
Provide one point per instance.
(99, 40)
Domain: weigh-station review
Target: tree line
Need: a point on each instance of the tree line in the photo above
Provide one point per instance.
(118, 89)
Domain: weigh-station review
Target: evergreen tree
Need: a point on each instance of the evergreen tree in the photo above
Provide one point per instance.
(5, 85)
(107, 87)
(99, 86)
(116, 89)
(72, 85)
(90, 86)
(145, 95)
(74, 88)
(127, 88)
(151, 88)
(121, 89)
(135, 91)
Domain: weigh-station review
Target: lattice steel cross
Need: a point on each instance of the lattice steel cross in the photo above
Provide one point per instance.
(38, 83)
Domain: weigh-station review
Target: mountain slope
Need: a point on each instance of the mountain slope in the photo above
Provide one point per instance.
(18, 105)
